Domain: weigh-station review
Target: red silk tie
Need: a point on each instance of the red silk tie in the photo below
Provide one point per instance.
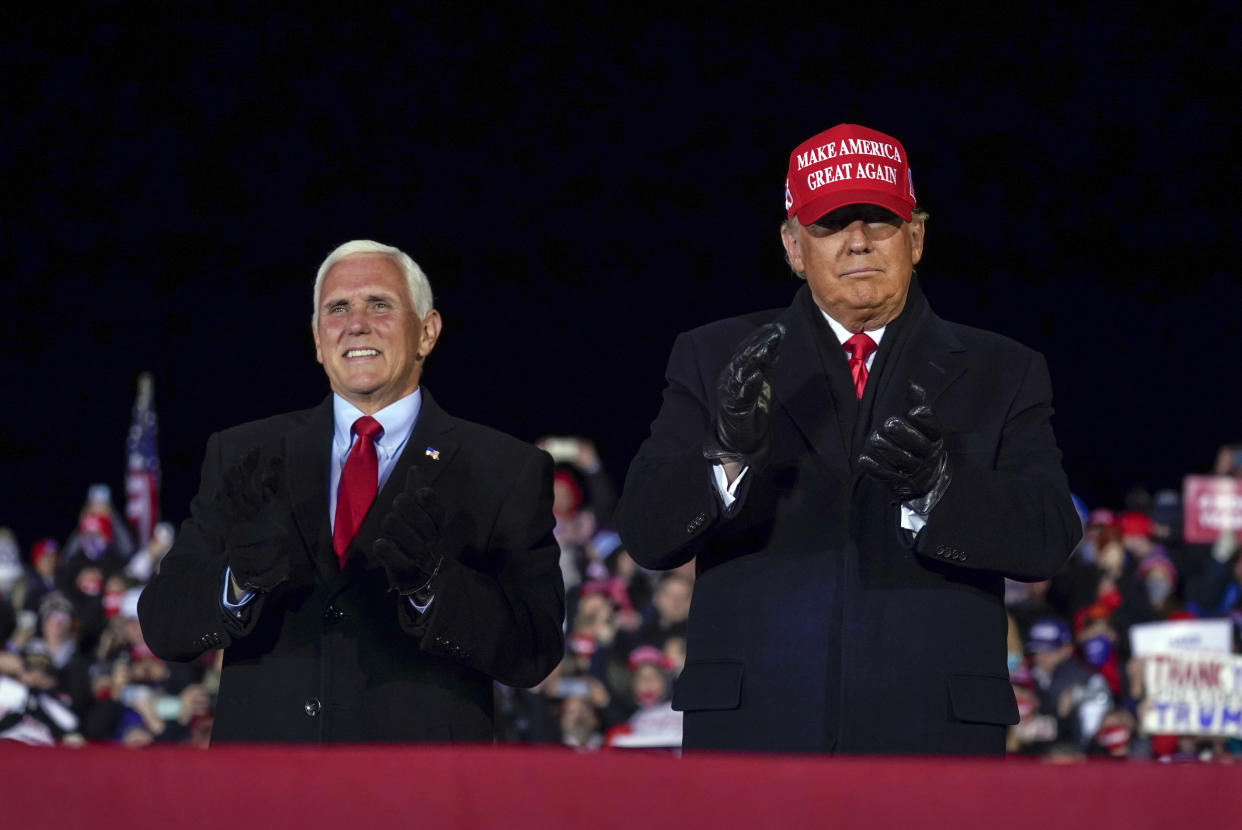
(359, 481)
(860, 346)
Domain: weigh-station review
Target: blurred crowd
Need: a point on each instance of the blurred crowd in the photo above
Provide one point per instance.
(1079, 687)
(75, 669)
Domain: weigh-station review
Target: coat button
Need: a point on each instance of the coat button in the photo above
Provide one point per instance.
(312, 706)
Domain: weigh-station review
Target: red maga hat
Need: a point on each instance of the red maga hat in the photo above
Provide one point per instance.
(848, 165)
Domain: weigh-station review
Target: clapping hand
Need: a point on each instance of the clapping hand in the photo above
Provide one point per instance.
(907, 454)
(411, 533)
(743, 394)
(249, 500)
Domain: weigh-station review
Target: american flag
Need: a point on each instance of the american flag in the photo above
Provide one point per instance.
(142, 476)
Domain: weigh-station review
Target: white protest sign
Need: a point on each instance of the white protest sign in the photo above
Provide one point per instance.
(1193, 693)
(1147, 639)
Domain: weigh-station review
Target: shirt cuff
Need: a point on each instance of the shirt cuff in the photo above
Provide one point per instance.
(727, 491)
(238, 608)
(912, 520)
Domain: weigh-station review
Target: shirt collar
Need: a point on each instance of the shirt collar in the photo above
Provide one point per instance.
(844, 334)
(397, 419)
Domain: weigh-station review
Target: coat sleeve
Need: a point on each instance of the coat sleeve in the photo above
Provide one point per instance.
(1015, 516)
(180, 610)
(505, 620)
(669, 503)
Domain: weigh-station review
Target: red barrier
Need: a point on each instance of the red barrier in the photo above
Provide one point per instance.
(349, 788)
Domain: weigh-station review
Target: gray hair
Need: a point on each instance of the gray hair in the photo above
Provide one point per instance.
(415, 280)
(792, 224)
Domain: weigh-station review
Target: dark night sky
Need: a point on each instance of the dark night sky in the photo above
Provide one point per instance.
(581, 188)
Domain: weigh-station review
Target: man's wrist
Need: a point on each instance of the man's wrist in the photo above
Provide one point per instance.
(425, 593)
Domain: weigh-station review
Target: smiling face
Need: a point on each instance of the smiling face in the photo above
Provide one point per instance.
(369, 337)
(858, 261)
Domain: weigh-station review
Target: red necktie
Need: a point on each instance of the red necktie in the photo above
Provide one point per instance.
(860, 346)
(359, 480)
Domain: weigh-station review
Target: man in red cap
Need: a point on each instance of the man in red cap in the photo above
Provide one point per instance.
(856, 477)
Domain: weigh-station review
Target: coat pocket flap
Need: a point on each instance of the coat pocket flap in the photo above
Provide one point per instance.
(982, 698)
(709, 684)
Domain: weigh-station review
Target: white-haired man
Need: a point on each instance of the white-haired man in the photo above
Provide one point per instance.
(371, 565)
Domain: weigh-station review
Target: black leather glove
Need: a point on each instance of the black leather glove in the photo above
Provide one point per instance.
(249, 502)
(407, 550)
(743, 395)
(907, 455)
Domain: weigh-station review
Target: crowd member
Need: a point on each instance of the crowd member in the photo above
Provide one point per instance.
(1228, 461)
(1217, 591)
(40, 574)
(654, 722)
(10, 564)
(31, 710)
(98, 504)
(583, 500)
(580, 724)
(639, 582)
(574, 524)
(1077, 697)
(1035, 732)
(11, 584)
(145, 563)
(597, 495)
(1096, 640)
(1115, 737)
(843, 471)
(55, 638)
(85, 567)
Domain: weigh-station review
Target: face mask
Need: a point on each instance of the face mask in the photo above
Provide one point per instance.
(1013, 659)
(1158, 588)
(1114, 738)
(1097, 650)
(648, 697)
(89, 582)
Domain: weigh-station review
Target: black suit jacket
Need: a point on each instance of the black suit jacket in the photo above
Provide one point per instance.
(817, 624)
(332, 655)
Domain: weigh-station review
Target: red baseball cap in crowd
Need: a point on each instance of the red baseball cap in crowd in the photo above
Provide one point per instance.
(848, 165)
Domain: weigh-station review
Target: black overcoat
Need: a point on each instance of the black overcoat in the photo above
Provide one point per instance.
(817, 623)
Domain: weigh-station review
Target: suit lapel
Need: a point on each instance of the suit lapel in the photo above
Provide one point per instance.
(933, 357)
(307, 454)
(802, 388)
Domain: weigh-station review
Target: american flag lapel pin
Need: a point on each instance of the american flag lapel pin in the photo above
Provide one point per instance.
(432, 453)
